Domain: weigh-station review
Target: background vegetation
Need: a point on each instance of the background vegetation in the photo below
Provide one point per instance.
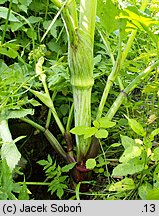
(79, 106)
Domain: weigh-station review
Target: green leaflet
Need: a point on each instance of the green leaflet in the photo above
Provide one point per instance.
(101, 133)
(132, 149)
(153, 134)
(96, 124)
(136, 18)
(136, 127)
(33, 19)
(134, 165)
(90, 132)
(107, 12)
(97, 130)
(106, 123)
(9, 151)
(6, 177)
(12, 155)
(153, 194)
(4, 12)
(23, 194)
(144, 189)
(68, 167)
(43, 97)
(90, 163)
(19, 113)
(155, 155)
(124, 184)
(156, 177)
(129, 153)
(79, 130)
(127, 141)
(8, 51)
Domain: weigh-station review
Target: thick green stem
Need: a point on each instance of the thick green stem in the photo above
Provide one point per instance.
(72, 7)
(80, 58)
(114, 108)
(34, 124)
(87, 17)
(70, 22)
(81, 67)
(49, 112)
(82, 115)
(80, 55)
(53, 141)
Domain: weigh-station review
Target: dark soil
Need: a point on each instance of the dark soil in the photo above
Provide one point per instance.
(33, 148)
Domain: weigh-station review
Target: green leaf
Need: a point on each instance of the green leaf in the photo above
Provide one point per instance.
(31, 34)
(136, 127)
(129, 153)
(64, 109)
(96, 124)
(124, 184)
(12, 155)
(90, 132)
(101, 133)
(25, 2)
(6, 177)
(84, 130)
(49, 159)
(147, 142)
(60, 192)
(79, 130)
(106, 123)
(15, 26)
(107, 12)
(127, 141)
(19, 113)
(23, 195)
(137, 18)
(34, 102)
(68, 167)
(155, 154)
(3, 1)
(90, 163)
(156, 177)
(115, 145)
(33, 19)
(8, 51)
(4, 12)
(63, 178)
(42, 162)
(43, 97)
(153, 134)
(97, 59)
(134, 165)
(153, 194)
(23, 8)
(144, 189)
